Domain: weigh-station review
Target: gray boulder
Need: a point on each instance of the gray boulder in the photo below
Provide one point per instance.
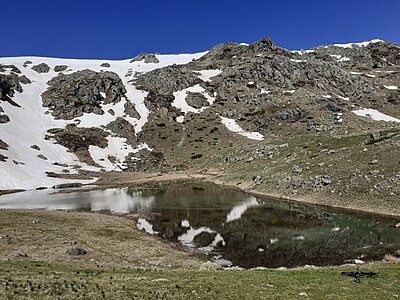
(4, 119)
(41, 68)
(19, 253)
(36, 147)
(146, 57)
(296, 169)
(24, 80)
(67, 185)
(333, 107)
(75, 251)
(196, 100)
(3, 145)
(60, 68)
(130, 110)
(290, 115)
(9, 84)
(377, 135)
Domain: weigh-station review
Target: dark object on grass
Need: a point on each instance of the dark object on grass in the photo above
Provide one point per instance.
(358, 274)
(76, 251)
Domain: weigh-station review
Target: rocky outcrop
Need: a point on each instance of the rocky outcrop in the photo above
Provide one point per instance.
(167, 80)
(130, 110)
(4, 119)
(9, 84)
(41, 68)
(24, 80)
(60, 68)
(3, 158)
(67, 185)
(13, 69)
(374, 55)
(146, 58)
(146, 160)
(26, 63)
(196, 100)
(70, 96)
(123, 129)
(76, 138)
(290, 115)
(3, 145)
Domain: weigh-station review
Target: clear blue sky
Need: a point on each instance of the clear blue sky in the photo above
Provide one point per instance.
(118, 29)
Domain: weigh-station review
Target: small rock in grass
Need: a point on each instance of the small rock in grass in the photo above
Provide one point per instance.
(19, 253)
(296, 169)
(76, 251)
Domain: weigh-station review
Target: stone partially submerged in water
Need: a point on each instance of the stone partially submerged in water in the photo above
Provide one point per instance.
(67, 185)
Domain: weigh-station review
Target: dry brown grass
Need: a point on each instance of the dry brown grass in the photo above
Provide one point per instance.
(109, 240)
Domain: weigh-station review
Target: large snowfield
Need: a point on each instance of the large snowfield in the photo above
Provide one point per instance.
(29, 123)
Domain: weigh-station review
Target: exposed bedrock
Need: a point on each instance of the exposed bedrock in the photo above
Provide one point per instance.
(167, 80)
(77, 140)
(70, 96)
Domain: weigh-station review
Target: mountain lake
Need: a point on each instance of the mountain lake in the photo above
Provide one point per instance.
(230, 227)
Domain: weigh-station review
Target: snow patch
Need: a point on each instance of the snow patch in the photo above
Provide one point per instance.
(341, 97)
(264, 91)
(206, 75)
(335, 56)
(298, 60)
(289, 92)
(143, 224)
(180, 99)
(390, 87)
(117, 150)
(361, 44)
(302, 52)
(231, 125)
(375, 115)
(343, 59)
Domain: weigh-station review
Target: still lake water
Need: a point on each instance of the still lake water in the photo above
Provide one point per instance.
(231, 227)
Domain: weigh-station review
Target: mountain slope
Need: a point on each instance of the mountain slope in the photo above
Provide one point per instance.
(25, 135)
(295, 122)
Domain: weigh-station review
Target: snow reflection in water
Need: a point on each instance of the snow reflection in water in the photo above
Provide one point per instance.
(238, 210)
(114, 200)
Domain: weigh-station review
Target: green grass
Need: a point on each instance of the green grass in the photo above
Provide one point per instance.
(364, 176)
(28, 279)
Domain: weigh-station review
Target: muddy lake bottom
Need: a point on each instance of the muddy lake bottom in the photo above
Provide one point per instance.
(233, 228)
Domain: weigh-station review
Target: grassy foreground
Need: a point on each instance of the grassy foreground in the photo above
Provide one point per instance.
(124, 263)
